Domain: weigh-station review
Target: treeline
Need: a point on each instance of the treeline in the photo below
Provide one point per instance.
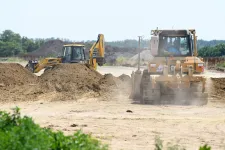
(12, 44)
(212, 51)
(211, 43)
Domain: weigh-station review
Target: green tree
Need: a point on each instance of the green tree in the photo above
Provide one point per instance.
(9, 49)
(221, 48)
(10, 43)
(29, 45)
(215, 51)
(10, 36)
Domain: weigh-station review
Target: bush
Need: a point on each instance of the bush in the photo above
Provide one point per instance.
(221, 64)
(21, 133)
(120, 60)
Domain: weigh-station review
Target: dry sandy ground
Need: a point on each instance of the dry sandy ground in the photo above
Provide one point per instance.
(189, 126)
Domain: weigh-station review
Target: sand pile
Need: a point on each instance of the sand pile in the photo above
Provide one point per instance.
(73, 81)
(70, 77)
(62, 82)
(14, 78)
(125, 78)
(145, 57)
(219, 83)
(217, 89)
(12, 74)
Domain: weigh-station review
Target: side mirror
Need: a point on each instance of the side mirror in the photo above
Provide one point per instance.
(154, 45)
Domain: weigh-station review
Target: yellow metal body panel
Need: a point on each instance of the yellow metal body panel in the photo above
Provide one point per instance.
(46, 62)
(100, 46)
(157, 62)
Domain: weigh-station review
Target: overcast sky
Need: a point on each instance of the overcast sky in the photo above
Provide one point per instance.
(116, 19)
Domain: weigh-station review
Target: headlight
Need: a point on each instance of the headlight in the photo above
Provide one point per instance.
(200, 65)
(152, 65)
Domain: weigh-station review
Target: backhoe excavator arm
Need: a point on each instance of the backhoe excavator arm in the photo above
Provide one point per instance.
(100, 46)
(35, 66)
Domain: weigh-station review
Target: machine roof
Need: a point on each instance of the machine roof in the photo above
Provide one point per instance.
(174, 32)
(67, 45)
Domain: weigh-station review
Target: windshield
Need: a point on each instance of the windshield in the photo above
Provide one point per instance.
(176, 46)
(67, 53)
(78, 53)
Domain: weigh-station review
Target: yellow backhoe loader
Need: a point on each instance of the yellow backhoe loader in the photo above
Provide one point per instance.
(73, 53)
(173, 76)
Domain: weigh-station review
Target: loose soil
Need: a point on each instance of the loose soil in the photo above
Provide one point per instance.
(218, 88)
(14, 74)
(62, 82)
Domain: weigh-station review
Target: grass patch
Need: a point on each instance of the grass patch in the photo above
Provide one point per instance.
(12, 59)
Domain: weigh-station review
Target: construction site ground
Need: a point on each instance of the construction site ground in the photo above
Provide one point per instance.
(116, 121)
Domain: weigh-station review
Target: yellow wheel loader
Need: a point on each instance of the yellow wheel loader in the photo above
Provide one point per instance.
(173, 76)
(73, 53)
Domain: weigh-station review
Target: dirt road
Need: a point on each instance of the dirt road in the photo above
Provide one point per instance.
(109, 121)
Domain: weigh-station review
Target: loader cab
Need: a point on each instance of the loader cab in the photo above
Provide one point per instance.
(176, 43)
(73, 53)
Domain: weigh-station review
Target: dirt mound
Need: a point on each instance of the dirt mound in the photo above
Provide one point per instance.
(108, 80)
(125, 78)
(15, 74)
(73, 78)
(62, 82)
(49, 48)
(219, 83)
(218, 89)
(78, 80)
